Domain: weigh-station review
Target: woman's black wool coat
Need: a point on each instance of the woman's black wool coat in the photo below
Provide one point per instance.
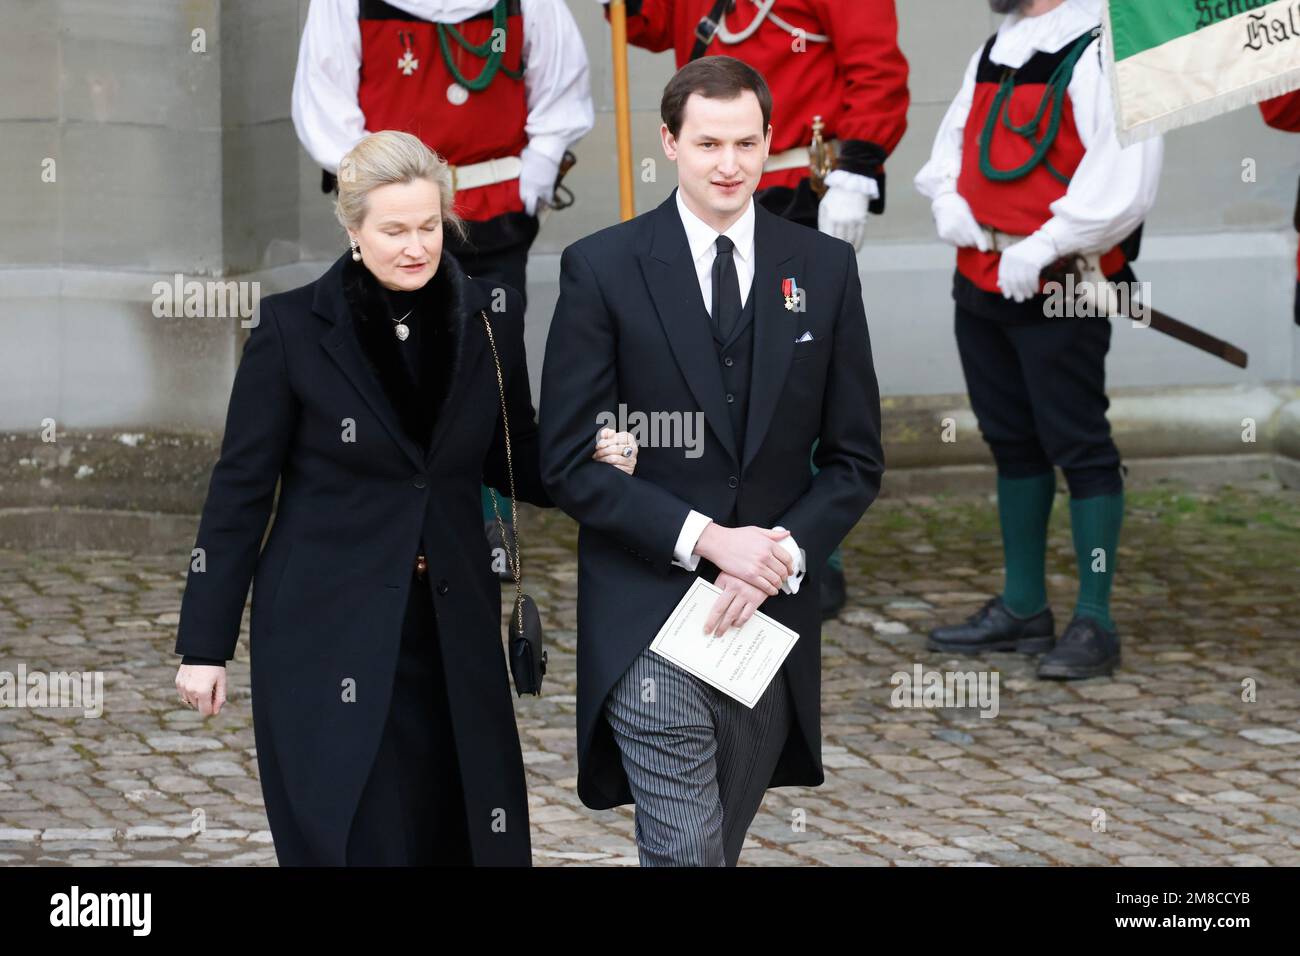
(357, 495)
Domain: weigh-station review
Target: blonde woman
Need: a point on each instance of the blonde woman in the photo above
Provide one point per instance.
(382, 705)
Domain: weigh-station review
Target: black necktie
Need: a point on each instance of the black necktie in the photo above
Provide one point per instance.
(726, 289)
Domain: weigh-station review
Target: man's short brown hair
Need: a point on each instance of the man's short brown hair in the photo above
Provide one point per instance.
(714, 78)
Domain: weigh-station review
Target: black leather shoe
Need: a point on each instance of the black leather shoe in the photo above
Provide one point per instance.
(1084, 649)
(832, 592)
(994, 628)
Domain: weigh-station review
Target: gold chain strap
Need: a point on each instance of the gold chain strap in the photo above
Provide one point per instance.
(512, 561)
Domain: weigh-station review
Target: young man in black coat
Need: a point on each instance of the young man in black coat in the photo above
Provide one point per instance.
(717, 310)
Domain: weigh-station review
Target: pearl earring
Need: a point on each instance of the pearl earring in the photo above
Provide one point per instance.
(356, 253)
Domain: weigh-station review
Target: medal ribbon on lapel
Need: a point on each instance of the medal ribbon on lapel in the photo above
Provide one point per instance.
(791, 292)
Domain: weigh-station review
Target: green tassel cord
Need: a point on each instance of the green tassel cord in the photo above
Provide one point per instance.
(1053, 97)
(484, 51)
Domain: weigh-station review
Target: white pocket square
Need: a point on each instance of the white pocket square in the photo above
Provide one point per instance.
(806, 337)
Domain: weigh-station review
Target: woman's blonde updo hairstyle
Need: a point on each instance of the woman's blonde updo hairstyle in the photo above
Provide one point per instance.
(388, 157)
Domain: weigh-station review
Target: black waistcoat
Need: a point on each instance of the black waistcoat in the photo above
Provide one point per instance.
(735, 362)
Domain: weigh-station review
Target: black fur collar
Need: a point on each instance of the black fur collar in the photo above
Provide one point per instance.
(441, 308)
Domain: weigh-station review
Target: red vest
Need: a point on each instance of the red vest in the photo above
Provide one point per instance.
(1021, 206)
(489, 125)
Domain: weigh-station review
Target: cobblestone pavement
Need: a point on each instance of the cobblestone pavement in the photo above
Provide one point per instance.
(1170, 762)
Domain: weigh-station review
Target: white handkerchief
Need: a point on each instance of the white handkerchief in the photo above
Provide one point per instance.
(806, 337)
(740, 663)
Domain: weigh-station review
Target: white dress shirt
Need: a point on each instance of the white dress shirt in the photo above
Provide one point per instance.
(1113, 188)
(328, 117)
(701, 237)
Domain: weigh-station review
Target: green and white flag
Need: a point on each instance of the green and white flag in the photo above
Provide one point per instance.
(1176, 62)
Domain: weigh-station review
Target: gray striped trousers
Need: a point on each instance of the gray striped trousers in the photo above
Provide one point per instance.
(698, 761)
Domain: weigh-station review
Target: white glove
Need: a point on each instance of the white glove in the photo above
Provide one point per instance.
(791, 584)
(1018, 272)
(956, 223)
(843, 210)
(536, 179)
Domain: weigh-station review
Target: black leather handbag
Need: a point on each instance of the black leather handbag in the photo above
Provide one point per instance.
(527, 650)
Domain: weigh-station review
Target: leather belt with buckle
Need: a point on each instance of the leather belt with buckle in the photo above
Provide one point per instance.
(705, 30)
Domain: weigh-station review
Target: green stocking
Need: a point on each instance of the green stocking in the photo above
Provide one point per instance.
(1024, 507)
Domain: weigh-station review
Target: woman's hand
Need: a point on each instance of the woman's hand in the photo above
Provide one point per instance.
(612, 447)
(202, 686)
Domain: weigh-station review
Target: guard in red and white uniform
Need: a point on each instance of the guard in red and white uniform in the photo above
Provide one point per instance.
(833, 63)
(1283, 112)
(1026, 169)
(498, 88)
